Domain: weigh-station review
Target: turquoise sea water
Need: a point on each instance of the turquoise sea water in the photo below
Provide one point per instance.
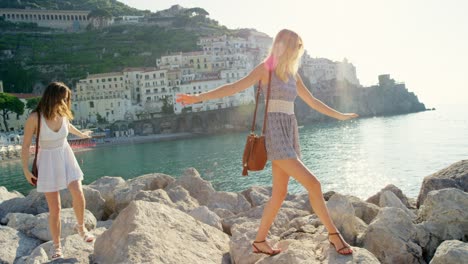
(356, 157)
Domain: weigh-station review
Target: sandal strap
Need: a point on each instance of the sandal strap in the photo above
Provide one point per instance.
(259, 241)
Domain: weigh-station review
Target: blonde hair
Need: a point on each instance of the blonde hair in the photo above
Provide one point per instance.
(286, 63)
(56, 100)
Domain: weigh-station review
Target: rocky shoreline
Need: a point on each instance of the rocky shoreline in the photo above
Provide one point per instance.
(156, 218)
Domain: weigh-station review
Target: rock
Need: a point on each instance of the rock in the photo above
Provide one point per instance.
(106, 186)
(38, 225)
(74, 250)
(342, 212)
(364, 210)
(151, 231)
(451, 251)
(444, 215)
(223, 213)
(15, 244)
(454, 176)
(6, 195)
(197, 187)
(299, 201)
(375, 199)
(285, 215)
(298, 247)
(104, 224)
(94, 201)
(231, 201)
(206, 216)
(182, 199)
(148, 182)
(34, 203)
(389, 199)
(157, 196)
(389, 237)
(257, 195)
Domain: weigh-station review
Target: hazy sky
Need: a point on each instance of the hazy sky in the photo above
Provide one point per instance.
(423, 43)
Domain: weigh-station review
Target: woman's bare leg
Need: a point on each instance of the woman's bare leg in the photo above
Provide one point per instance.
(303, 175)
(53, 202)
(279, 192)
(79, 202)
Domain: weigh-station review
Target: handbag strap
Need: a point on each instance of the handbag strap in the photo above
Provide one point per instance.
(266, 105)
(38, 131)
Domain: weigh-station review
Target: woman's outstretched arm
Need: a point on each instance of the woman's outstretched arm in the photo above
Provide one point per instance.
(225, 90)
(78, 133)
(318, 105)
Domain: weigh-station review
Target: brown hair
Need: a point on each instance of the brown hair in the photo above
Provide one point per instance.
(56, 100)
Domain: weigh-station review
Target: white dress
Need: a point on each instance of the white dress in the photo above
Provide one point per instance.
(56, 163)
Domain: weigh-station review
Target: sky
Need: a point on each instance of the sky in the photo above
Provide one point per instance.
(423, 43)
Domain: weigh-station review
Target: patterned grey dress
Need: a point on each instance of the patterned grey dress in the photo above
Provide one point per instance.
(281, 133)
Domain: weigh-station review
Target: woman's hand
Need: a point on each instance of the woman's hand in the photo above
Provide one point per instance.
(187, 99)
(347, 116)
(86, 134)
(29, 176)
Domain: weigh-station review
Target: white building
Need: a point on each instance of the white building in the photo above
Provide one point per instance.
(70, 20)
(322, 69)
(102, 94)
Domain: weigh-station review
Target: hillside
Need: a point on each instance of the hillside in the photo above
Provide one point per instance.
(114, 7)
(31, 55)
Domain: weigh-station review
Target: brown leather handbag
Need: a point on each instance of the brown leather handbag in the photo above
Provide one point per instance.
(34, 169)
(255, 155)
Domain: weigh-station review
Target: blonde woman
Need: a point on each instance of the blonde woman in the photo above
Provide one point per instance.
(57, 165)
(281, 135)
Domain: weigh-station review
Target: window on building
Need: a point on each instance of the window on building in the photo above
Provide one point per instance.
(112, 105)
(161, 75)
(103, 80)
(148, 91)
(91, 104)
(148, 99)
(155, 90)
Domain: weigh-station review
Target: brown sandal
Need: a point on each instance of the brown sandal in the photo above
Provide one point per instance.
(258, 251)
(342, 242)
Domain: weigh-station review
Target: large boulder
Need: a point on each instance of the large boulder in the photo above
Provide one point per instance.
(454, 176)
(94, 201)
(197, 187)
(444, 216)
(451, 251)
(123, 196)
(106, 186)
(206, 216)
(364, 210)
(342, 212)
(257, 195)
(182, 199)
(299, 246)
(38, 225)
(389, 199)
(14, 244)
(390, 237)
(34, 203)
(74, 250)
(146, 231)
(280, 224)
(234, 202)
(375, 199)
(6, 195)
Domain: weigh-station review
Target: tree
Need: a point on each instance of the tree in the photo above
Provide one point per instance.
(100, 119)
(32, 103)
(167, 107)
(10, 104)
